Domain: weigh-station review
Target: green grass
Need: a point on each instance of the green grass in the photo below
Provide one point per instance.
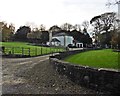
(97, 58)
(16, 48)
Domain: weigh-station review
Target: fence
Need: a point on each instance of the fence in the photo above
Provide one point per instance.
(33, 51)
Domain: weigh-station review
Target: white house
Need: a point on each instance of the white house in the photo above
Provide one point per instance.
(63, 39)
(55, 42)
(79, 45)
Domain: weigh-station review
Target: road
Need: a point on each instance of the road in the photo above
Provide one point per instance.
(36, 76)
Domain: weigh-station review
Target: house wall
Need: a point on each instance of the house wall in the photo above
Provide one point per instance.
(65, 41)
(79, 45)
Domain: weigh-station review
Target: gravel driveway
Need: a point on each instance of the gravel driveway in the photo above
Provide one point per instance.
(36, 76)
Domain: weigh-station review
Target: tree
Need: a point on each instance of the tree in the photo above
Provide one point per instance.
(108, 20)
(103, 23)
(86, 38)
(77, 27)
(21, 33)
(115, 40)
(42, 27)
(85, 24)
(35, 36)
(44, 37)
(12, 27)
(66, 27)
(80, 37)
(95, 21)
(7, 31)
(55, 28)
(76, 35)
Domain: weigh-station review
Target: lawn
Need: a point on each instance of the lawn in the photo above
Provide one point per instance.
(96, 58)
(27, 48)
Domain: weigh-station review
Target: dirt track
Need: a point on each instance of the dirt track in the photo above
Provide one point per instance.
(36, 76)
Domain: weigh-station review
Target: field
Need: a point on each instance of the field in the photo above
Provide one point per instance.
(27, 48)
(96, 58)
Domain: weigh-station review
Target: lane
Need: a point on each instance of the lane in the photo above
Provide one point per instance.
(13, 74)
(36, 76)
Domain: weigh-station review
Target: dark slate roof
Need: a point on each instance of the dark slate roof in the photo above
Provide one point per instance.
(55, 40)
(61, 34)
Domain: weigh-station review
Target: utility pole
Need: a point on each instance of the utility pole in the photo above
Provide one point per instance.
(1, 25)
(50, 37)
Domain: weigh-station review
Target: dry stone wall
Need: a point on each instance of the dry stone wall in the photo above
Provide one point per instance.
(98, 79)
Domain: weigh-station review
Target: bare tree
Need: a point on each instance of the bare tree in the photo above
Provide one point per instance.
(42, 27)
(66, 26)
(32, 25)
(77, 27)
(107, 21)
(12, 27)
(34, 35)
(85, 24)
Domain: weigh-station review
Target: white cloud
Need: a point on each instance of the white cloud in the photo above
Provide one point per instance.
(50, 12)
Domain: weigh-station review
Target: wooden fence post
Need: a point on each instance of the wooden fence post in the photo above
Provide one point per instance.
(29, 51)
(3, 49)
(9, 50)
(22, 51)
(36, 51)
(13, 50)
(46, 50)
(41, 50)
(50, 49)
(54, 49)
(57, 49)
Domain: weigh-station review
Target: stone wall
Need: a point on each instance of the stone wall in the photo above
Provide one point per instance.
(97, 79)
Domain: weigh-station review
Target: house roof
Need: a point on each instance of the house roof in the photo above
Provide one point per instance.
(61, 34)
(55, 40)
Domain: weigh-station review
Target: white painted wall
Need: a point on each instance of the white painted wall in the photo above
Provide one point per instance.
(68, 40)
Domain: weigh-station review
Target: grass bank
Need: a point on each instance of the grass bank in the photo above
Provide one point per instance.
(96, 58)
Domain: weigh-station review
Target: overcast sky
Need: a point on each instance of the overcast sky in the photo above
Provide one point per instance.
(51, 12)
